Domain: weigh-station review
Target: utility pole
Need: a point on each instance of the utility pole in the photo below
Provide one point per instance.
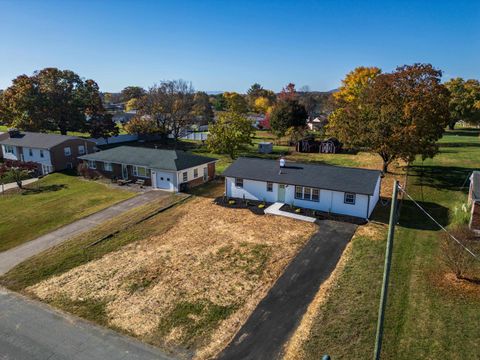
(386, 272)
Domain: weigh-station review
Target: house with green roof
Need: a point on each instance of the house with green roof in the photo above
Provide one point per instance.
(170, 170)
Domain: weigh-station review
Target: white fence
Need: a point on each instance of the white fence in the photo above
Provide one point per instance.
(116, 139)
(199, 136)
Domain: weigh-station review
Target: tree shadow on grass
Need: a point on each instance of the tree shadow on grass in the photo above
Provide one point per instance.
(440, 177)
(459, 145)
(44, 189)
(463, 132)
(410, 215)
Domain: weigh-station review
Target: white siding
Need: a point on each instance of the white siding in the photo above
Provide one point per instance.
(375, 197)
(10, 156)
(329, 201)
(190, 173)
(46, 160)
(253, 190)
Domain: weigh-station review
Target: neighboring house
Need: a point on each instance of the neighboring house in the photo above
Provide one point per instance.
(171, 170)
(474, 201)
(52, 152)
(340, 190)
(318, 123)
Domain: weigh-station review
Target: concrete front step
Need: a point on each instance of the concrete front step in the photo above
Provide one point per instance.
(274, 209)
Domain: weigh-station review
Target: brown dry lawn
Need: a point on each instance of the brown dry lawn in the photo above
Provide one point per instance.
(190, 288)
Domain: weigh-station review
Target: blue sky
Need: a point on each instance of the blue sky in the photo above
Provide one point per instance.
(228, 45)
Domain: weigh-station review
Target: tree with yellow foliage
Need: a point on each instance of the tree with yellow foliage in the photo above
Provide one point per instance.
(262, 105)
(354, 82)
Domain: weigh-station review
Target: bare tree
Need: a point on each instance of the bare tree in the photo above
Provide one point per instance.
(170, 105)
(455, 257)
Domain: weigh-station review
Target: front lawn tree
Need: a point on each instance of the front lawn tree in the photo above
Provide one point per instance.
(231, 133)
(18, 170)
(287, 114)
(397, 115)
(464, 101)
(50, 100)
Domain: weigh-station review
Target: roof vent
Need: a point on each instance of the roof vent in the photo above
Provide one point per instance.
(282, 162)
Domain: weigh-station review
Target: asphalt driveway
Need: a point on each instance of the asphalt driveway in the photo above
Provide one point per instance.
(10, 258)
(33, 331)
(279, 313)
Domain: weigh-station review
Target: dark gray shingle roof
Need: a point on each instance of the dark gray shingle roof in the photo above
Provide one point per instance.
(153, 158)
(328, 177)
(36, 140)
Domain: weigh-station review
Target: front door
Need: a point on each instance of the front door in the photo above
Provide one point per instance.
(281, 193)
(124, 172)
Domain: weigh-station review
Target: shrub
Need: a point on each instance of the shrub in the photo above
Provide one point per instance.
(298, 210)
(455, 257)
(231, 202)
(261, 206)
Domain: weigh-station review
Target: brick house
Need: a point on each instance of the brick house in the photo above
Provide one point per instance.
(170, 170)
(52, 152)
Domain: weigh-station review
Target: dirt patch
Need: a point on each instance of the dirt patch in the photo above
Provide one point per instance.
(447, 281)
(192, 287)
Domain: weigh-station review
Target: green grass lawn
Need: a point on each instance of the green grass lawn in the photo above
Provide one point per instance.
(428, 316)
(55, 200)
(79, 250)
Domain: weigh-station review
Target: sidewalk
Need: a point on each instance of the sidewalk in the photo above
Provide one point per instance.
(14, 185)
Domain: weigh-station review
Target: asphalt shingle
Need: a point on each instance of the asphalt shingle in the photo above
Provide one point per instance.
(151, 158)
(328, 177)
(35, 140)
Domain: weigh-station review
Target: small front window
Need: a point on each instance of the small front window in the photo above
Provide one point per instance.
(195, 173)
(92, 164)
(307, 192)
(140, 171)
(298, 192)
(107, 166)
(269, 186)
(9, 149)
(41, 154)
(185, 176)
(349, 198)
(67, 151)
(315, 194)
(239, 182)
(30, 152)
(81, 150)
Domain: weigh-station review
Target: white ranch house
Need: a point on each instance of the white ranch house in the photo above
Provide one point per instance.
(333, 189)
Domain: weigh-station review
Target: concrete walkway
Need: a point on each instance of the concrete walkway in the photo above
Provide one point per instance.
(279, 313)
(274, 209)
(31, 330)
(13, 257)
(14, 185)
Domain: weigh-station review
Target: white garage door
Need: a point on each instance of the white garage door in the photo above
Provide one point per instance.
(162, 180)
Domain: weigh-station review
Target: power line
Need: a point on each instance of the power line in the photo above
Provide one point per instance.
(438, 224)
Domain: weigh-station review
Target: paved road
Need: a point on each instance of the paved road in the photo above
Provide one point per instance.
(279, 313)
(34, 331)
(13, 257)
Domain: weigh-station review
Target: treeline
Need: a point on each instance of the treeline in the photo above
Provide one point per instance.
(398, 114)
